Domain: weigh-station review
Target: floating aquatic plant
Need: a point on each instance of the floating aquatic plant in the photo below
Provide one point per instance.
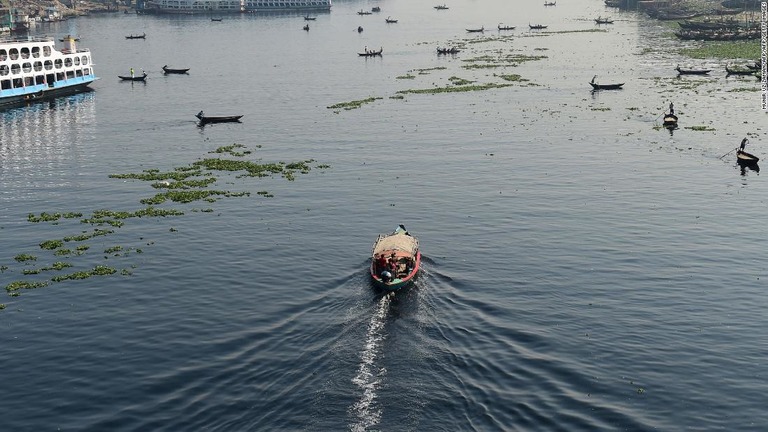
(457, 89)
(701, 128)
(724, 50)
(25, 258)
(353, 104)
(406, 76)
(459, 81)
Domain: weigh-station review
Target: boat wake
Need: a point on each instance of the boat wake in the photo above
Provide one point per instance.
(369, 375)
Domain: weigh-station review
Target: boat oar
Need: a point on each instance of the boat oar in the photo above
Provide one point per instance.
(726, 154)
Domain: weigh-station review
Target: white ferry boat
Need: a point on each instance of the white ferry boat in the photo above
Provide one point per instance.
(228, 6)
(32, 69)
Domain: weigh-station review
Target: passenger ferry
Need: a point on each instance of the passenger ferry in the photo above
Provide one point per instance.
(32, 69)
(227, 6)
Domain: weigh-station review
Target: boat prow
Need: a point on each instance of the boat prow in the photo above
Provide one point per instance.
(396, 260)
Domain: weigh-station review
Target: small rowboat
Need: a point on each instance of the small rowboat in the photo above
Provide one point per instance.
(141, 77)
(369, 53)
(396, 259)
(362, 12)
(554, 3)
(216, 19)
(390, 20)
(682, 71)
(730, 71)
(167, 70)
(503, 27)
(600, 20)
(536, 27)
(441, 7)
(476, 30)
(745, 158)
(309, 18)
(451, 50)
(670, 121)
(606, 86)
(217, 119)
(141, 36)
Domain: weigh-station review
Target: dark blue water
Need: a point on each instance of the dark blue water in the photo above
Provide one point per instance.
(583, 269)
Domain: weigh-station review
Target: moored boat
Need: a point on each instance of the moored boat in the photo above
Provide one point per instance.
(682, 71)
(536, 26)
(503, 27)
(390, 20)
(601, 20)
(33, 69)
(141, 36)
(451, 50)
(729, 71)
(441, 7)
(476, 30)
(217, 119)
(395, 260)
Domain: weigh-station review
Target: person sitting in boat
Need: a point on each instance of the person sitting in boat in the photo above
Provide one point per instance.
(366, 49)
(381, 262)
(386, 276)
(393, 264)
(743, 144)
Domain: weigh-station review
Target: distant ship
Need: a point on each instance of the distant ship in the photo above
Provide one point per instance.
(227, 6)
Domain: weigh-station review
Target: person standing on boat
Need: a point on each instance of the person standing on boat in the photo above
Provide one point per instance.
(132, 73)
(672, 108)
(743, 144)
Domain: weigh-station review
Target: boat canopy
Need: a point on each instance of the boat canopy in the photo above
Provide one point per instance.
(396, 242)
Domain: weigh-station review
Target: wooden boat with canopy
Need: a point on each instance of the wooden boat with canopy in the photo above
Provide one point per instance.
(395, 259)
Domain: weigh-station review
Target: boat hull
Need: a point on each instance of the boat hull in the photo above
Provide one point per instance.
(745, 158)
(606, 86)
(44, 95)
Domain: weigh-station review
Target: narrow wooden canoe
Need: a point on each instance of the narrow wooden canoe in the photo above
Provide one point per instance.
(168, 70)
(217, 119)
(745, 158)
(682, 71)
(133, 78)
(606, 86)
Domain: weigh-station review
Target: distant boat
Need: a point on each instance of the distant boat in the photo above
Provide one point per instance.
(141, 77)
(362, 12)
(670, 119)
(596, 86)
(682, 71)
(476, 30)
(554, 3)
(503, 27)
(390, 20)
(601, 20)
(217, 119)
(306, 27)
(744, 158)
(375, 9)
(369, 53)
(441, 7)
(309, 18)
(167, 70)
(452, 50)
(141, 36)
(730, 71)
(359, 29)
(536, 26)
(216, 19)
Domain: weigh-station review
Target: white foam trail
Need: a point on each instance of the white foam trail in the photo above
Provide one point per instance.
(368, 378)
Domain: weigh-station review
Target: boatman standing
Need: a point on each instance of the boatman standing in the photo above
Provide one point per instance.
(132, 73)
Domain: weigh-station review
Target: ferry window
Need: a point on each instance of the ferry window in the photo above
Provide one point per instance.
(18, 83)
(38, 66)
(59, 76)
(84, 59)
(6, 84)
(68, 62)
(77, 61)
(58, 63)
(40, 79)
(87, 71)
(25, 53)
(14, 53)
(27, 67)
(79, 73)
(29, 81)
(36, 52)
(15, 68)
(46, 51)
(70, 74)
(3, 55)
(48, 65)
(4, 70)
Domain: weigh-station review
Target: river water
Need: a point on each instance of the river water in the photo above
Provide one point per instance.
(583, 269)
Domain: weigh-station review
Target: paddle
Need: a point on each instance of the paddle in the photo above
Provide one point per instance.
(726, 154)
